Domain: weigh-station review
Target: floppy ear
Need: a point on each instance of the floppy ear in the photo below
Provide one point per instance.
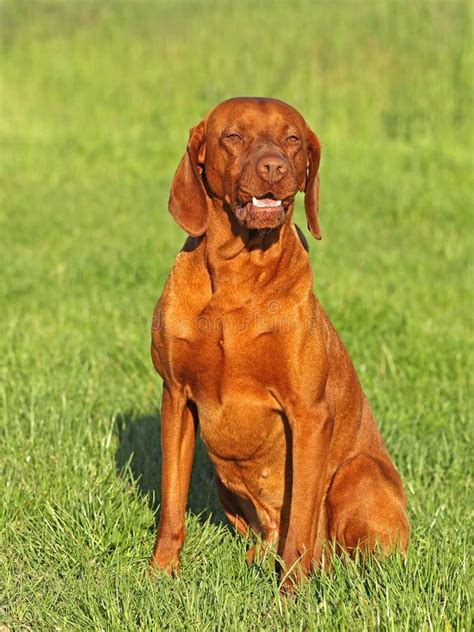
(311, 191)
(188, 199)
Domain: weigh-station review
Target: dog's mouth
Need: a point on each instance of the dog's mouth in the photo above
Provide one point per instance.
(265, 202)
(262, 212)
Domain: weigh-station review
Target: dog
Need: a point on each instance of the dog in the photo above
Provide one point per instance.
(248, 355)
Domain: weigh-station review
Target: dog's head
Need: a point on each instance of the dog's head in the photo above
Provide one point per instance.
(254, 155)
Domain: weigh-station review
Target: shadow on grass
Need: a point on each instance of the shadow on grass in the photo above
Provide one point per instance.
(139, 445)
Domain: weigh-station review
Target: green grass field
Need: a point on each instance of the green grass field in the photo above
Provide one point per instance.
(96, 101)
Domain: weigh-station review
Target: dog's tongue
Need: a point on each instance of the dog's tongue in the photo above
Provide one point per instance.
(265, 202)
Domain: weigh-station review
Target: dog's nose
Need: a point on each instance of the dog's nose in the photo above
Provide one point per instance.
(272, 168)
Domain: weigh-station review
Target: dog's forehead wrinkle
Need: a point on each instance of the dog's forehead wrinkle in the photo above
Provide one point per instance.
(247, 112)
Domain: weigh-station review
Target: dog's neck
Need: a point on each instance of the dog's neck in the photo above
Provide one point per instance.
(234, 253)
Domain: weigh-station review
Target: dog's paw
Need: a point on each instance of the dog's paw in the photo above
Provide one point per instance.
(164, 562)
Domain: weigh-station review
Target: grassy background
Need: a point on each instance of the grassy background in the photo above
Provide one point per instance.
(96, 101)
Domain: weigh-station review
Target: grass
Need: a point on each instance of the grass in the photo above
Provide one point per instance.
(96, 100)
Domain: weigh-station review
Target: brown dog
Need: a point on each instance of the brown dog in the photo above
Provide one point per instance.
(247, 353)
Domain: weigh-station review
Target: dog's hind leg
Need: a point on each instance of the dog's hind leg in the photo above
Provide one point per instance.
(241, 514)
(232, 509)
(366, 507)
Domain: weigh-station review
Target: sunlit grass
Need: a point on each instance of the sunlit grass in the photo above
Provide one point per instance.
(96, 101)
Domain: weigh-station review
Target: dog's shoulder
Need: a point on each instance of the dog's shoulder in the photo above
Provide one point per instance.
(188, 276)
(185, 294)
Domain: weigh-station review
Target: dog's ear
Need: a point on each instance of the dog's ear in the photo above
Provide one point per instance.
(311, 190)
(188, 198)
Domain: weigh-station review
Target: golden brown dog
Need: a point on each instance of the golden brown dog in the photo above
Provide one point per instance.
(247, 353)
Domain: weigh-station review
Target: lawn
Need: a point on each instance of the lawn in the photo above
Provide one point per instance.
(96, 101)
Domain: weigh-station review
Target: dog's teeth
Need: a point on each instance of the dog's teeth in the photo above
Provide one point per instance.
(256, 202)
(265, 202)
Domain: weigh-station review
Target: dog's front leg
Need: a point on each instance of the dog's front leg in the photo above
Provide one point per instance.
(311, 432)
(178, 433)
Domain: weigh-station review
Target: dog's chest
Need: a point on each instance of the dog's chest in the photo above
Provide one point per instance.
(229, 368)
(229, 348)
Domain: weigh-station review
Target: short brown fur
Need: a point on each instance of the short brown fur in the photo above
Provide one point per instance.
(248, 354)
